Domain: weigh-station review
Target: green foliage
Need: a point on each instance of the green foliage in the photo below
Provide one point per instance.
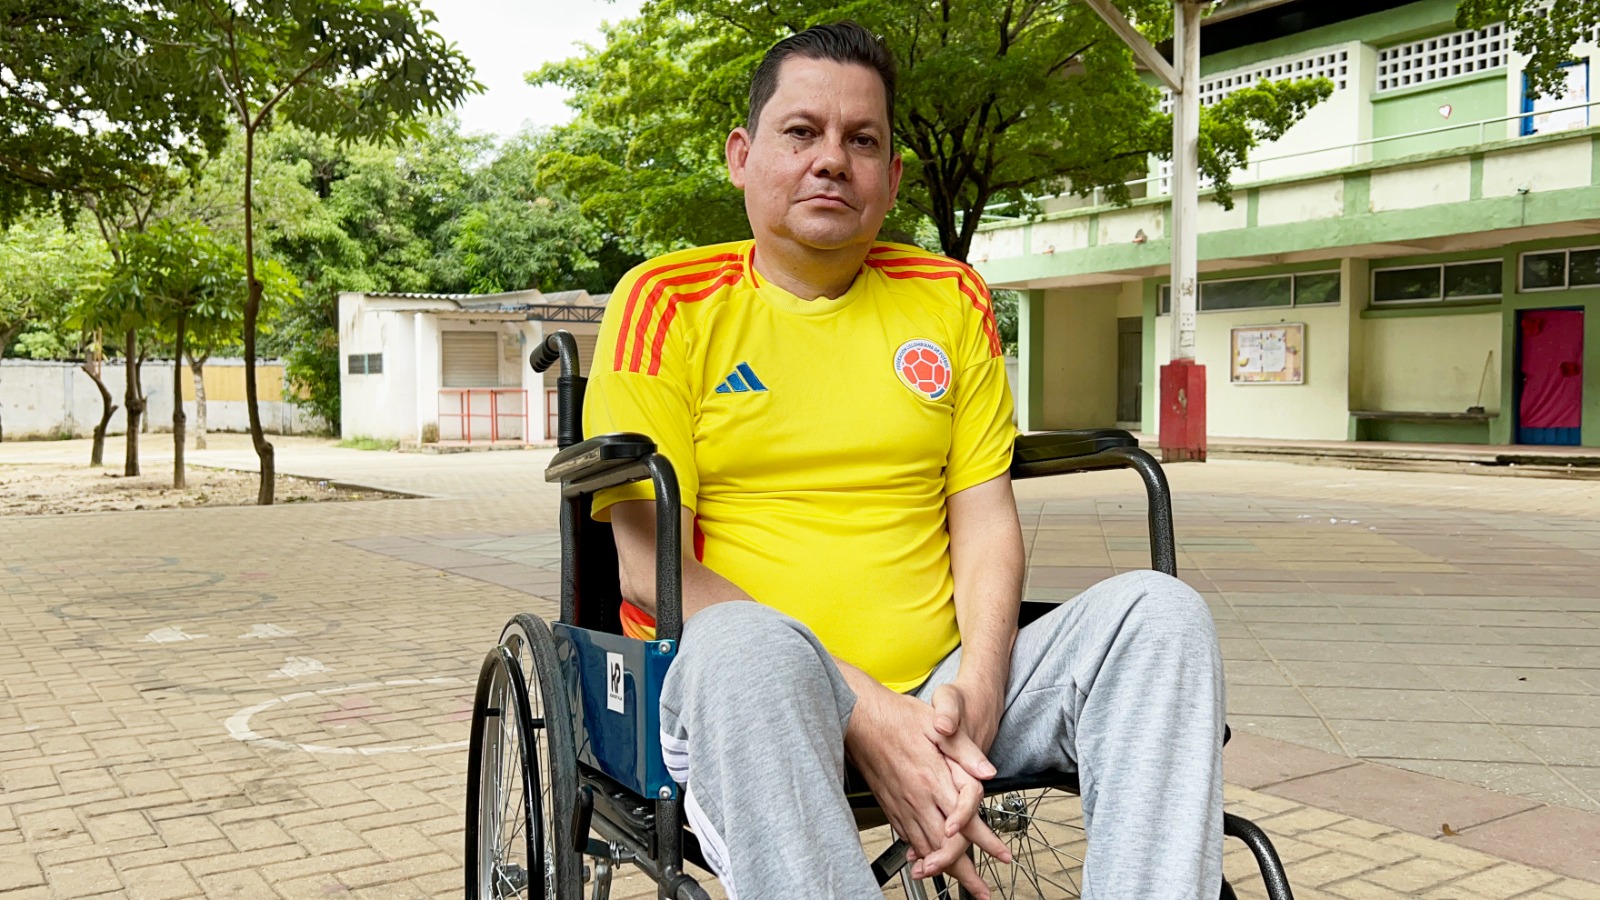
(1542, 30)
(1005, 304)
(508, 235)
(445, 212)
(99, 96)
(182, 268)
(363, 442)
(351, 69)
(999, 101)
(48, 269)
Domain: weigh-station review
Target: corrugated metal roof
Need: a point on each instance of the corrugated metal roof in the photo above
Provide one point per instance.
(508, 301)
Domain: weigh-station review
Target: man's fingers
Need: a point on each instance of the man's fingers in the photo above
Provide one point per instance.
(966, 873)
(986, 840)
(965, 752)
(968, 799)
(947, 709)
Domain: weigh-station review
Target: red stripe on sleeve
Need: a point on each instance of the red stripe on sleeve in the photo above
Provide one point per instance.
(642, 330)
(989, 328)
(638, 288)
(730, 275)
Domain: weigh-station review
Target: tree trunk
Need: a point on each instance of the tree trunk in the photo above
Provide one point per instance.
(252, 308)
(197, 367)
(108, 408)
(5, 339)
(135, 403)
(144, 405)
(177, 402)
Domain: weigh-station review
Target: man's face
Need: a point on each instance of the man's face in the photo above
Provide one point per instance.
(818, 171)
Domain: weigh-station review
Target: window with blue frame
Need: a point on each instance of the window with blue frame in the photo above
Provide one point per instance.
(1548, 115)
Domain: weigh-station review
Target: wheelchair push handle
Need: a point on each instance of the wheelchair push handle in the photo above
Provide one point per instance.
(558, 346)
(562, 346)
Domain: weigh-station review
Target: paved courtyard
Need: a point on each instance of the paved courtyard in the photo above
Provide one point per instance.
(274, 702)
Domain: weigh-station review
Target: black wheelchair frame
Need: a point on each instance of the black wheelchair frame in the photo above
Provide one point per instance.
(526, 783)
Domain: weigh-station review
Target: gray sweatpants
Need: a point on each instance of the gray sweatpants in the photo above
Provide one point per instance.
(1122, 684)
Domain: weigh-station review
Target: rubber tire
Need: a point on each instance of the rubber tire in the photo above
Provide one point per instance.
(501, 730)
(529, 640)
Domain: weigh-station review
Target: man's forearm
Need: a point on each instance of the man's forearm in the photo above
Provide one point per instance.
(987, 563)
(633, 525)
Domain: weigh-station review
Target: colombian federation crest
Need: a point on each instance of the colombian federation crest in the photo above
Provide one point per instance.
(924, 367)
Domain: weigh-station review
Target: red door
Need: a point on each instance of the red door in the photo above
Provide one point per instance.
(1550, 382)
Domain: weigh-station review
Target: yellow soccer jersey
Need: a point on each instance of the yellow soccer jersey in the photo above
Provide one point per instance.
(815, 440)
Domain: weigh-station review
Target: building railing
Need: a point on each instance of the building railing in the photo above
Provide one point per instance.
(1156, 185)
(491, 407)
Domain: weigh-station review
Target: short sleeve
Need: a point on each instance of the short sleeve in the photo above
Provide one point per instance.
(984, 428)
(624, 397)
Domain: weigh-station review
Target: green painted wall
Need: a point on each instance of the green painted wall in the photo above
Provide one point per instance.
(1406, 111)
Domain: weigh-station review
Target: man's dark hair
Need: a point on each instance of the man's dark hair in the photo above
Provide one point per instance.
(841, 42)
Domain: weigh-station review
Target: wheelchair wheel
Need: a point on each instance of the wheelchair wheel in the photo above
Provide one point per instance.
(529, 641)
(1044, 829)
(521, 777)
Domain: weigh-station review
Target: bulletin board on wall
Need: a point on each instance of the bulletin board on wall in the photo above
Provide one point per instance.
(1269, 354)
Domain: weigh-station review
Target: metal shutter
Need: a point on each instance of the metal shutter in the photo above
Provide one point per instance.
(471, 358)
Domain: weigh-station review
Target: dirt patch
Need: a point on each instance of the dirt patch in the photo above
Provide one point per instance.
(44, 489)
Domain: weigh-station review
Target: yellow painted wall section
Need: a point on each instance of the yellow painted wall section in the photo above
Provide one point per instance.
(1080, 376)
(226, 383)
(1432, 363)
(1315, 410)
(1130, 300)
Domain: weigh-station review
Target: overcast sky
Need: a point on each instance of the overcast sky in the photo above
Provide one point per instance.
(506, 39)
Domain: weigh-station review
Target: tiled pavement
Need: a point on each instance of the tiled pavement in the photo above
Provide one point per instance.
(260, 703)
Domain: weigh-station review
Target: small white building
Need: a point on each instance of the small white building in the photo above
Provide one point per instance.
(454, 367)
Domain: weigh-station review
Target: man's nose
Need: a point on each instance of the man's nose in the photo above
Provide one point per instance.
(832, 160)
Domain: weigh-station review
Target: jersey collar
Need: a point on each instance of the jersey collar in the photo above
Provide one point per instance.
(783, 301)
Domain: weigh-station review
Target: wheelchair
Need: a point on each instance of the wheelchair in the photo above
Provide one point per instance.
(566, 782)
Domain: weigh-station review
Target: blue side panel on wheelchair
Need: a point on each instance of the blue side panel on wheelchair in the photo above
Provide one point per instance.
(614, 687)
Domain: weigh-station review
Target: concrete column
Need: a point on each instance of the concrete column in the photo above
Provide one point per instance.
(1030, 361)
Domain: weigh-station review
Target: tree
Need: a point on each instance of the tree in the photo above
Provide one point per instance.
(88, 104)
(47, 268)
(1542, 30)
(999, 101)
(445, 212)
(180, 279)
(353, 69)
(509, 235)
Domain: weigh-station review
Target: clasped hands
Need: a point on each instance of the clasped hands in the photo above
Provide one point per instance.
(926, 766)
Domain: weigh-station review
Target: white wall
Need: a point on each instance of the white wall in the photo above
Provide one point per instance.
(41, 399)
(385, 405)
(1316, 410)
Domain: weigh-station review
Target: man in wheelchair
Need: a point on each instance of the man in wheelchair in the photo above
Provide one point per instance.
(837, 411)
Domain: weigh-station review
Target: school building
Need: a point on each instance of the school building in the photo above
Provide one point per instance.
(1418, 259)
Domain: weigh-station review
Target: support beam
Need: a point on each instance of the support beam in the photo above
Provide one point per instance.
(1183, 380)
(1030, 361)
(1185, 218)
(1142, 49)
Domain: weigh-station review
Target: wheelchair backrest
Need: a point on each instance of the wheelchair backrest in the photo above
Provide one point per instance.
(591, 593)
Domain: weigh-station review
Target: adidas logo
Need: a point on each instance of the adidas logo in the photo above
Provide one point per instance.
(741, 380)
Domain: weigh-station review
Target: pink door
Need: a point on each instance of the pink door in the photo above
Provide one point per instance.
(1550, 382)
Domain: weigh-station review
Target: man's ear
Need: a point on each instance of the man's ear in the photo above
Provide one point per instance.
(896, 169)
(738, 153)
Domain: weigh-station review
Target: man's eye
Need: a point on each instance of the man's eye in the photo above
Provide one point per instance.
(866, 140)
(800, 131)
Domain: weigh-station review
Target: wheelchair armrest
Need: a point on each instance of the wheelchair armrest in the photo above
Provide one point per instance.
(603, 461)
(1056, 452)
(1059, 452)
